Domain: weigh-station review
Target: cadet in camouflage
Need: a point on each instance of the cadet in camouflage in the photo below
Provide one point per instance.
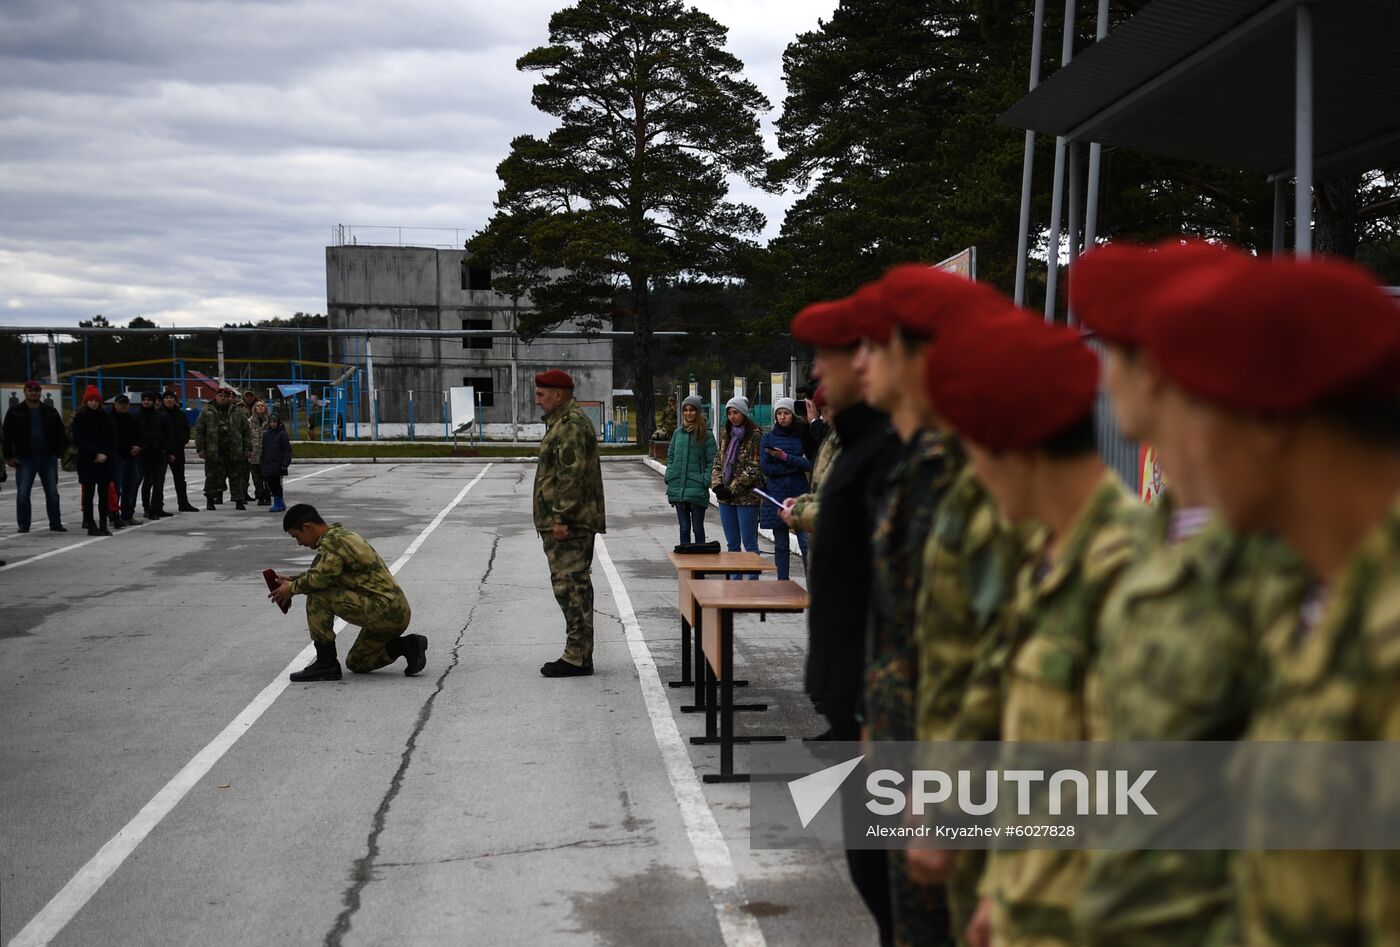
(240, 467)
(1292, 367)
(222, 440)
(348, 580)
(803, 514)
(569, 512)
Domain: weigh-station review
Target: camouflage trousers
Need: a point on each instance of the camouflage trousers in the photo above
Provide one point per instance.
(381, 620)
(571, 575)
(217, 472)
(920, 913)
(238, 478)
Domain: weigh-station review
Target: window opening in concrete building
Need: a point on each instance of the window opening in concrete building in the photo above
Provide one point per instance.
(476, 341)
(485, 389)
(475, 278)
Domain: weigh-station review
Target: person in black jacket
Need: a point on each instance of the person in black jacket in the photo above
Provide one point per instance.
(276, 458)
(839, 584)
(179, 437)
(155, 445)
(128, 461)
(34, 439)
(95, 436)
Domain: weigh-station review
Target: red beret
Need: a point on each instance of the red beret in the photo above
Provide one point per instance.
(1107, 286)
(1010, 381)
(554, 378)
(92, 392)
(872, 315)
(927, 300)
(1276, 337)
(827, 325)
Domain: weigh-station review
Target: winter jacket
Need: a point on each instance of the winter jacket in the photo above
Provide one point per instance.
(276, 451)
(688, 467)
(95, 433)
(154, 426)
(786, 478)
(747, 473)
(179, 429)
(256, 426)
(569, 478)
(128, 433)
(16, 435)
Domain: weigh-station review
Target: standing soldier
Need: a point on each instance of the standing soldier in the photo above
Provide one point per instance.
(1021, 394)
(568, 501)
(905, 311)
(239, 469)
(1291, 368)
(220, 437)
(1178, 635)
(179, 437)
(348, 580)
(840, 578)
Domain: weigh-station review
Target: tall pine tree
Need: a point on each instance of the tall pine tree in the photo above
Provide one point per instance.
(630, 191)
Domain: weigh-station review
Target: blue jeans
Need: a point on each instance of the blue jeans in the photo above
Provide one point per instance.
(46, 469)
(128, 479)
(782, 554)
(740, 523)
(692, 519)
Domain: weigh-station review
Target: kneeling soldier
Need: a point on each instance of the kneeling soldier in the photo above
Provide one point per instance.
(348, 580)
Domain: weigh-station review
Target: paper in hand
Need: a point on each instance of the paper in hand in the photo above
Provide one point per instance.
(270, 577)
(771, 499)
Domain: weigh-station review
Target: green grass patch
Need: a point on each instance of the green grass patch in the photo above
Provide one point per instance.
(317, 450)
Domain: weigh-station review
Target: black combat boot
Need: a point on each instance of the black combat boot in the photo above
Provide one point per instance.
(562, 668)
(188, 507)
(239, 505)
(326, 667)
(413, 649)
(209, 503)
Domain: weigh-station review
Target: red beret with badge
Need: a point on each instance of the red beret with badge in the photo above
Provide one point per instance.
(1107, 285)
(554, 378)
(1010, 381)
(1277, 337)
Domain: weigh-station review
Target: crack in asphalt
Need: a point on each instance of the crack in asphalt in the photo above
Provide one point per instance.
(580, 843)
(363, 871)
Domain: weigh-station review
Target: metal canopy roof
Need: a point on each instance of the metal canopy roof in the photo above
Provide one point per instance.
(1213, 81)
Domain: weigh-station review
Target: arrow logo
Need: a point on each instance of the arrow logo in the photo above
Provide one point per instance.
(812, 792)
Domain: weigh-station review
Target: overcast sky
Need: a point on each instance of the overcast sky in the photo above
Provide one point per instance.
(187, 161)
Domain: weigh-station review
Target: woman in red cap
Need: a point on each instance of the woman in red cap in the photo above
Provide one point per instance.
(95, 436)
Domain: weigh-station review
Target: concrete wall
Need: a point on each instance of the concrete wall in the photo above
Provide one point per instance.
(422, 287)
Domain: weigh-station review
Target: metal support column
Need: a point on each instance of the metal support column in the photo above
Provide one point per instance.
(1072, 205)
(1303, 134)
(1052, 269)
(373, 395)
(1280, 215)
(1091, 209)
(1028, 164)
(53, 362)
(221, 357)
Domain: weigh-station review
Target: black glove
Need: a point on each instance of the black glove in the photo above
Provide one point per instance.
(723, 493)
(285, 471)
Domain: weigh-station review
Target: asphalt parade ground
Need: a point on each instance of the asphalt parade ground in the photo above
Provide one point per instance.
(163, 783)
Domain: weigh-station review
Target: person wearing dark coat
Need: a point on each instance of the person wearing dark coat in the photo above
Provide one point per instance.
(276, 458)
(783, 460)
(179, 437)
(95, 437)
(128, 462)
(155, 454)
(34, 439)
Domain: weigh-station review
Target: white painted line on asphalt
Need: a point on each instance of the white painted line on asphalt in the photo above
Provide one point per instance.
(738, 928)
(321, 471)
(97, 539)
(91, 877)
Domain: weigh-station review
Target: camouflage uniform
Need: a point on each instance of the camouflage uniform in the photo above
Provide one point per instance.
(221, 438)
(916, 484)
(1055, 614)
(569, 490)
(970, 561)
(349, 580)
(1177, 653)
(804, 511)
(238, 467)
(1337, 678)
(256, 426)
